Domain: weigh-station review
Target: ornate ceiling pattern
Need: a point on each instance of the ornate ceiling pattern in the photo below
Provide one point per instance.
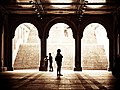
(60, 6)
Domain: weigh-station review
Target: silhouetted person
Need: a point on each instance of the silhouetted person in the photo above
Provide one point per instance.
(50, 62)
(45, 62)
(58, 60)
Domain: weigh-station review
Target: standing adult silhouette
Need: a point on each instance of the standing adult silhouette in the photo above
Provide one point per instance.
(50, 62)
(58, 60)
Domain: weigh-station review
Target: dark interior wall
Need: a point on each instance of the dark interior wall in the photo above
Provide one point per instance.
(0, 38)
(118, 31)
(119, 23)
(0, 23)
(5, 1)
(115, 0)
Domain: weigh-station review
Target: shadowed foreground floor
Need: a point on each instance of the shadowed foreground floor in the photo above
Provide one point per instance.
(71, 80)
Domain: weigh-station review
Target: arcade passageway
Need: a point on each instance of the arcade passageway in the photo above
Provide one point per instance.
(86, 31)
(37, 80)
(94, 46)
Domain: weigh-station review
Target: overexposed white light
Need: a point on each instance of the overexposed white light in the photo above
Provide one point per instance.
(61, 36)
(61, 1)
(95, 1)
(24, 6)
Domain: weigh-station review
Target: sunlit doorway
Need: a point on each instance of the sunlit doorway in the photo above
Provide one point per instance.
(61, 37)
(26, 47)
(95, 48)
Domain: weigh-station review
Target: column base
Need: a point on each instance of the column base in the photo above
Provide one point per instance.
(116, 72)
(42, 69)
(2, 69)
(109, 69)
(78, 69)
(10, 69)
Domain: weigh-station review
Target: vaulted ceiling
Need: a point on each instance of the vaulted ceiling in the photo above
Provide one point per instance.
(59, 6)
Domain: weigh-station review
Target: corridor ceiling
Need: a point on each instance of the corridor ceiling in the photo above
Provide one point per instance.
(59, 6)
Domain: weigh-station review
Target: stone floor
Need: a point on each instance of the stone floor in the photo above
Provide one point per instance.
(71, 80)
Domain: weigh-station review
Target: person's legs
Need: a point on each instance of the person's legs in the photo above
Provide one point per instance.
(50, 67)
(60, 71)
(57, 70)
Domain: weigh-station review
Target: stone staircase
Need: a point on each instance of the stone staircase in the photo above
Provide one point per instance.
(28, 56)
(94, 57)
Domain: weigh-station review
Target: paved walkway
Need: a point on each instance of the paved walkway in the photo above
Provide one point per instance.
(71, 80)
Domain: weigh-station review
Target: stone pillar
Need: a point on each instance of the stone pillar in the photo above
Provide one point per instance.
(0, 53)
(118, 44)
(43, 54)
(7, 46)
(110, 66)
(113, 44)
(9, 55)
(2, 49)
(118, 37)
(78, 54)
(116, 62)
(0, 46)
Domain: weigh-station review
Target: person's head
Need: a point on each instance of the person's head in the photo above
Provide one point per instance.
(50, 54)
(58, 50)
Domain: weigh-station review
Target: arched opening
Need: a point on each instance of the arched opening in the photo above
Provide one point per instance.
(61, 37)
(96, 1)
(26, 47)
(95, 47)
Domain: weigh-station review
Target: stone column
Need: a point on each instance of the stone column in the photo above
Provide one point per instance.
(7, 46)
(78, 53)
(114, 41)
(2, 49)
(9, 55)
(43, 54)
(110, 66)
(0, 54)
(119, 43)
(0, 46)
(116, 59)
(118, 36)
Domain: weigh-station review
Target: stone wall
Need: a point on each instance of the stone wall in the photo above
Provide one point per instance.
(27, 57)
(94, 57)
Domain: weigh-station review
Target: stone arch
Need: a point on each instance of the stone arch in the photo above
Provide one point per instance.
(108, 27)
(95, 47)
(58, 39)
(64, 20)
(27, 42)
(16, 23)
(101, 21)
(60, 20)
